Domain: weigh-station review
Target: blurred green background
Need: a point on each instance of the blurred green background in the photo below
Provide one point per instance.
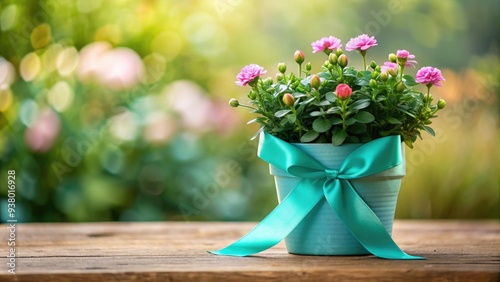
(117, 110)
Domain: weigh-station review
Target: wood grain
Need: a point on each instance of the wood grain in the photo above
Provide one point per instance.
(175, 251)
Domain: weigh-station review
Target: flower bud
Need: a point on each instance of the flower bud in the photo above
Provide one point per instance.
(252, 95)
(282, 67)
(330, 66)
(299, 57)
(373, 83)
(377, 68)
(343, 91)
(234, 103)
(384, 76)
(393, 72)
(373, 65)
(279, 77)
(332, 58)
(342, 60)
(326, 63)
(288, 99)
(268, 81)
(339, 52)
(441, 104)
(400, 87)
(393, 58)
(308, 66)
(375, 74)
(315, 81)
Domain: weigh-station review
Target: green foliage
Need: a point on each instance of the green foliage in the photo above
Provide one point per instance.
(377, 107)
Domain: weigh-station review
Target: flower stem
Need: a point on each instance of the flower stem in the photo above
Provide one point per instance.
(364, 61)
(300, 70)
(428, 98)
(245, 106)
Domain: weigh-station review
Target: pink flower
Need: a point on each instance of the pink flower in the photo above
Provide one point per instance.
(361, 43)
(403, 57)
(326, 43)
(387, 66)
(429, 76)
(343, 91)
(248, 73)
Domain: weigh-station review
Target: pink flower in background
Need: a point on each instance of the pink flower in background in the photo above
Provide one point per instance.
(248, 73)
(42, 134)
(326, 43)
(191, 103)
(117, 68)
(429, 76)
(343, 91)
(362, 43)
(404, 55)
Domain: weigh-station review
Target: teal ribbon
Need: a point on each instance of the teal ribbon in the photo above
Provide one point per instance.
(318, 182)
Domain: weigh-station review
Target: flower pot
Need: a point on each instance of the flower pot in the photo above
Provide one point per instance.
(322, 232)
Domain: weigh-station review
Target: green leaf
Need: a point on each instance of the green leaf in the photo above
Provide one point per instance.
(409, 80)
(360, 104)
(357, 128)
(335, 120)
(321, 124)
(363, 117)
(350, 121)
(429, 130)
(309, 136)
(308, 101)
(252, 121)
(325, 75)
(352, 139)
(316, 113)
(334, 110)
(339, 136)
(281, 113)
(291, 118)
(297, 95)
(330, 96)
(392, 120)
(281, 88)
(324, 103)
(257, 133)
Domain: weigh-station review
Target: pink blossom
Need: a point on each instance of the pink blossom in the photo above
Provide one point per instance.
(248, 73)
(429, 76)
(387, 66)
(343, 91)
(404, 55)
(326, 43)
(361, 43)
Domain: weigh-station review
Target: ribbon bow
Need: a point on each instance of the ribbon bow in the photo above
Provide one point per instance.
(318, 182)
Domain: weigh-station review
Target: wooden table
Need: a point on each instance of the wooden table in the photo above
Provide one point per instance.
(175, 251)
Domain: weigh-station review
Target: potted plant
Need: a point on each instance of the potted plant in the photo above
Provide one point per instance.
(335, 143)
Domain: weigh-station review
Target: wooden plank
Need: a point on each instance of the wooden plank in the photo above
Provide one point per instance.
(175, 251)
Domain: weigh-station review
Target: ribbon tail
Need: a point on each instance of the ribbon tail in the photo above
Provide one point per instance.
(362, 221)
(279, 223)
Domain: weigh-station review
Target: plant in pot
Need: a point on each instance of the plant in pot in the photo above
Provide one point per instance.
(335, 143)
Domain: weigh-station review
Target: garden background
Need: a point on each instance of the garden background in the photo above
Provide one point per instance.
(117, 110)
